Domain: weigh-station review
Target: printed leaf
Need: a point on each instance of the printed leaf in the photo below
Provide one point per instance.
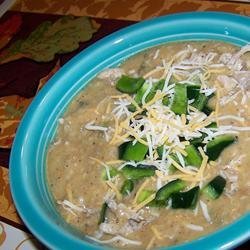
(9, 28)
(7, 208)
(12, 109)
(48, 39)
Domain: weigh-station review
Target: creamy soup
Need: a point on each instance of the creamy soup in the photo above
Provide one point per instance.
(155, 152)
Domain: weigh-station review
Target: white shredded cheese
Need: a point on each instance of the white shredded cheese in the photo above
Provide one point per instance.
(194, 227)
(117, 238)
(205, 211)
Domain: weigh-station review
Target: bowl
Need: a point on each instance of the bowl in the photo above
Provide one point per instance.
(28, 156)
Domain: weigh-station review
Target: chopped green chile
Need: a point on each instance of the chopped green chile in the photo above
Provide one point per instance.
(193, 157)
(215, 187)
(144, 194)
(112, 172)
(186, 199)
(171, 187)
(207, 110)
(103, 213)
(165, 101)
(140, 93)
(130, 152)
(200, 101)
(180, 101)
(127, 187)
(139, 172)
(193, 91)
(217, 145)
(131, 107)
(199, 141)
(130, 85)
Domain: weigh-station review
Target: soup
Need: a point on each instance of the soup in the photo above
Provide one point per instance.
(155, 152)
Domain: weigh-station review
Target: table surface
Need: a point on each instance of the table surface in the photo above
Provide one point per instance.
(18, 90)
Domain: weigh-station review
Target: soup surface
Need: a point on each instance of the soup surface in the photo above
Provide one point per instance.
(181, 113)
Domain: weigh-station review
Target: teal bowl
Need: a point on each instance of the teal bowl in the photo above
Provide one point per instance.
(28, 156)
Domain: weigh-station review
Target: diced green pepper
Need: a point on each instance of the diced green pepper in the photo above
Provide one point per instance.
(156, 86)
(173, 80)
(200, 101)
(127, 187)
(199, 141)
(217, 145)
(212, 125)
(158, 204)
(103, 213)
(136, 173)
(130, 85)
(165, 101)
(172, 187)
(112, 172)
(186, 199)
(215, 187)
(193, 91)
(160, 151)
(193, 157)
(144, 194)
(207, 110)
(131, 108)
(130, 152)
(180, 100)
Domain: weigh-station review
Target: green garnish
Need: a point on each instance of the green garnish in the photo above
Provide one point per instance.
(215, 187)
(217, 145)
(130, 85)
(180, 100)
(138, 172)
(127, 187)
(130, 152)
(186, 199)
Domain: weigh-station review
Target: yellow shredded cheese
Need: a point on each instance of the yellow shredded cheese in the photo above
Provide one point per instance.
(69, 192)
(203, 163)
(114, 162)
(143, 185)
(182, 151)
(150, 73)
(183, 119)
(145, 202)
(156, 233)
(179, 167)
(151, 242)
(115, 189)
(116, 130)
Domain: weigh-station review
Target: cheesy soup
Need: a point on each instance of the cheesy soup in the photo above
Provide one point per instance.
(155, 152)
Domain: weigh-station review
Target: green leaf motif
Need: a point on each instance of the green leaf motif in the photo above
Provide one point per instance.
(49, 38)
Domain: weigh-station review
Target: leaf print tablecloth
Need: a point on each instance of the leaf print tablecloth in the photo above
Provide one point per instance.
(24, 72)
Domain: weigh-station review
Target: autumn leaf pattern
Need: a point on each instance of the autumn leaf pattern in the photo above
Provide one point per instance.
(12, 109)
(128, 9)
(7, 208)
(48, 39)
(9, 28)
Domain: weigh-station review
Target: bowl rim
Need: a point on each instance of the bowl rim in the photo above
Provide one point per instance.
(22, 150)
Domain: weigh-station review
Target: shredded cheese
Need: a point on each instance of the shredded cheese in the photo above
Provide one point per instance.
(151, 242)
(144, 203)
(179, 167)
(116, 238)
(156, 233)
(194, 227)
(115, 189)
(143, 185)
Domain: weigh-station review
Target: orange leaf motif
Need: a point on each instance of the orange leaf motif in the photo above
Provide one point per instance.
(9, 28)
(2, 234)
(12, 109)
